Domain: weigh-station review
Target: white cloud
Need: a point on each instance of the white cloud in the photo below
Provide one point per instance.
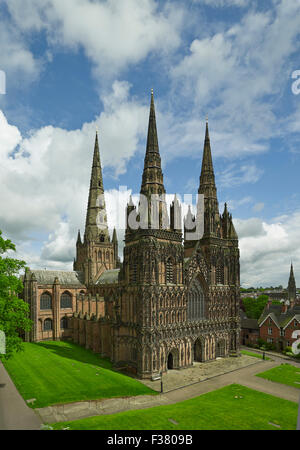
(224, 3)
(238, 74)
(45, 176)
(235, 175)
(16, 59)
(258, 207)
(267, 249)
(234, 204)
(113, 34)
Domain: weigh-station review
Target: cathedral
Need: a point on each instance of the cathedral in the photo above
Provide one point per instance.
(175, 297)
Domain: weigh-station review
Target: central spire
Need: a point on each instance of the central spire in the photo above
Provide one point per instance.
(96, 228)
(152, 182)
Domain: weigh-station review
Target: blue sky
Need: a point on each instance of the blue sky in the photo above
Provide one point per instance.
(74, 66)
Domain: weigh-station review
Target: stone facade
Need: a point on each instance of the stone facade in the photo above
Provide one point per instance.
(52, 299)
(172, 301)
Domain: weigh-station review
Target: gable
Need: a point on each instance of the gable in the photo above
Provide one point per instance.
(269, 316)
(196, 266)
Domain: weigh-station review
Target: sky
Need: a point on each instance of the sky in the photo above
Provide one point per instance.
(73, 67)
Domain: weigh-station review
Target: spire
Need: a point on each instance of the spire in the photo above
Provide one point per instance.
(207, 177)
(225, 220)
(152, 182)
(96, 228)
(292, 285)
(225, 210)
(208, 188)
(175, 215)
(232, 234)
(114, 237)
(78, 238)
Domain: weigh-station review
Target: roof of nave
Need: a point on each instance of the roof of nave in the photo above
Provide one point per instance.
(109, 276)
(49, 276)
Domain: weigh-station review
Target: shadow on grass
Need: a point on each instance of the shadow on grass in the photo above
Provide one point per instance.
(75, 352)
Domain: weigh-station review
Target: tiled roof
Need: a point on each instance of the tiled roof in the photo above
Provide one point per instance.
(280, 319)
(249, 323)
(109, 276)
(66, 278)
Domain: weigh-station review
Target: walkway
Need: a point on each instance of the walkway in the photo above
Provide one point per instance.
(16, 415)
(244, 376)
(14, 412)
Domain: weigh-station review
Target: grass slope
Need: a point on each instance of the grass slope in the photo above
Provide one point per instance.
(256, 355)
(62, 372)
(233, 407)
(285, 374)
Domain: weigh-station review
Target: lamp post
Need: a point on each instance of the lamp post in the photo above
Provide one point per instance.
(161, 384)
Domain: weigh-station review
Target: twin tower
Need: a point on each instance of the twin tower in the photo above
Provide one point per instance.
(173, 300)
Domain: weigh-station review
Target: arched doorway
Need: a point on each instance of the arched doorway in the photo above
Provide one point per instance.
(170, 361)
(220, 349)
(198, 351)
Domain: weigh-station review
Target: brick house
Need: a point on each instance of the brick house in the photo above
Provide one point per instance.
(277, 324)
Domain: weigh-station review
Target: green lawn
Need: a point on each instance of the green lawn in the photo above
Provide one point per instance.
(62, 372)
(256, 355)
(233, 407)
(285, 374)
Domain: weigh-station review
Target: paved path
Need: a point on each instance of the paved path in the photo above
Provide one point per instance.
(14, 412)
(245, 376)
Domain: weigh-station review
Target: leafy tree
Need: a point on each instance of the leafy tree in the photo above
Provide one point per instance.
(14, 312)
(255, 306)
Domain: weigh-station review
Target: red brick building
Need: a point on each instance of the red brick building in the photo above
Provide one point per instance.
(278, 322)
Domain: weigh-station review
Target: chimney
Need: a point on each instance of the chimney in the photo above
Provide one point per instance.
(285, 306)
(269, 303)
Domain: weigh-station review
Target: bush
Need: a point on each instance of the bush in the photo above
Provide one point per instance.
(287, 350)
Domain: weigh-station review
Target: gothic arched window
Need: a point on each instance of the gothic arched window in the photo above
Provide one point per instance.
(169, 271)
(46, 301)
(64, 323)
(47, 324)
(220, 272)
(195, 307)
(133, 272)
(66, 300)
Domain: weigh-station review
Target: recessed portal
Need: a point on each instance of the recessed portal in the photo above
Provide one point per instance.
(170, 361)
(198, 351)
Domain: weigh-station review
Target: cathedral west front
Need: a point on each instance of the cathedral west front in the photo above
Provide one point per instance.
(174, 299)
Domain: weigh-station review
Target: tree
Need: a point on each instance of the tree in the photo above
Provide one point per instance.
(14, 312)
(255, 306)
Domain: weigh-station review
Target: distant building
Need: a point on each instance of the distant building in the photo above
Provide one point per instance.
(249, 330)
(277, 322)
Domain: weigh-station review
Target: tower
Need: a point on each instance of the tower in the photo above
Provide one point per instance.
(151, 242)
(217, 297)
(218, 237)
(152, 267)
(96, 253)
